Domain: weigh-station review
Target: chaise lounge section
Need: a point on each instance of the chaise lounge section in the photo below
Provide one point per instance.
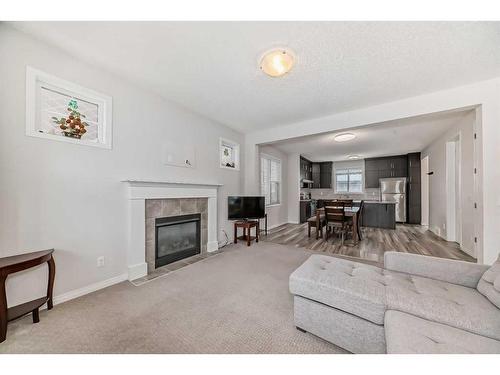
(415, 304)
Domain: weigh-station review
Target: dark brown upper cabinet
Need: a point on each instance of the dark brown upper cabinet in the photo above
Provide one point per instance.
(385, 167)
(322, 175)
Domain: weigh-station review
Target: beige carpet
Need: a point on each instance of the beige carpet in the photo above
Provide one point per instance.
(235, 302)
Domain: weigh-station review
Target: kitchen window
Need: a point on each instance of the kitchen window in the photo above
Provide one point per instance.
(270, 179)
(349, 180)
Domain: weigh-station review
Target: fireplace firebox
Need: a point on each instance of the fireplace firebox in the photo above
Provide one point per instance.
(176, 238)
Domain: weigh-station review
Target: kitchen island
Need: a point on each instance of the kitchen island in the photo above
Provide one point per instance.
(376, 214)
(379, 214)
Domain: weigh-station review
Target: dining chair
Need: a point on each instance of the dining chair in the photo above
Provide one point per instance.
(359, 220)
(335, 219)
(317, 221)
(346, 202)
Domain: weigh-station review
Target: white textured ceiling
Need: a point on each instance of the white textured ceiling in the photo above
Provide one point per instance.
(383, 139)
(212, 67)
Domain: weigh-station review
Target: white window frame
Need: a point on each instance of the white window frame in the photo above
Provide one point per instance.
(35, 78)
(348, 184)
(223, 142)
(272, 158)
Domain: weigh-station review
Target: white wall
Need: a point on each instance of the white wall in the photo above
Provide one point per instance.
(293, 205)
(278, 214)
(69, 197)
(438, 181)
(485, 95)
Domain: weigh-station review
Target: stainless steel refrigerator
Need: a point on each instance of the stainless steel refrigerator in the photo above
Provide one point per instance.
(394, 190)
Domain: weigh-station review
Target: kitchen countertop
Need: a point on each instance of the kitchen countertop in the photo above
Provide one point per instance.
(359, 201)
(379, 202)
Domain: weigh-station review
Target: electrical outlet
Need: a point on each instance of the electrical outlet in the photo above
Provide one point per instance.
(100, 261)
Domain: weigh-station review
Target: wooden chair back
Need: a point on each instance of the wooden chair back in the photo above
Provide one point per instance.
(360, 213)
(334, 214)
(346, 202)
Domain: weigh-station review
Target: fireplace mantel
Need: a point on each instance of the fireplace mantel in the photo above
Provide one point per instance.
(141, 190)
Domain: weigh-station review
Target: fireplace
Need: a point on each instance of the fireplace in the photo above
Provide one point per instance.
(176, 237)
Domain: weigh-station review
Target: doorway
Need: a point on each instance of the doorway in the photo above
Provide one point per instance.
(453, 191)
(424, 170)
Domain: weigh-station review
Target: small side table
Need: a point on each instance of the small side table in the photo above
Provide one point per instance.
(18, 263)
(246, 225)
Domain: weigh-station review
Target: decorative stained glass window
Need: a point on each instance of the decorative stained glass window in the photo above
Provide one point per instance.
(61, 110)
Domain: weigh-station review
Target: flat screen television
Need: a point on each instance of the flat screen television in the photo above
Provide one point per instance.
(243, 207)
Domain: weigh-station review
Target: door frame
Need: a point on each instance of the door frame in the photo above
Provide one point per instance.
(453, 189)
(425, 185)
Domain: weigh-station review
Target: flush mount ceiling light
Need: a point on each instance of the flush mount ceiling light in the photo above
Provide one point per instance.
(277, 62)
(353, 157)
(344, 137)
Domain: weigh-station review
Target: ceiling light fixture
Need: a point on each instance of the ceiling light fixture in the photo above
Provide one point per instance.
(277, 62)
(344, 137)
(353, 157)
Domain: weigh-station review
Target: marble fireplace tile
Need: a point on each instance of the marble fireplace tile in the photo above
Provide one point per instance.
(150, 229)
(202, 205)
(171, 207)
(188, 206)
(153, 208)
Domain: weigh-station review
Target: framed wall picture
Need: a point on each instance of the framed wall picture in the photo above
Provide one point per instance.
(229, 153)
(60, 110)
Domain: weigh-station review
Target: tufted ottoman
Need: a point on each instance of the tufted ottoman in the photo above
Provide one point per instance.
(342, 302)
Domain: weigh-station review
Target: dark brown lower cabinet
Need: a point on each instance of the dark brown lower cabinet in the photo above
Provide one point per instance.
(379, 215)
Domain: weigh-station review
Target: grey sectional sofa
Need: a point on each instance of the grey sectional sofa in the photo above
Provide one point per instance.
(415, 304)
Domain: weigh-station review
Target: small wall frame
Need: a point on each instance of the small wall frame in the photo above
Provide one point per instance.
(229, 154)
(60, 110)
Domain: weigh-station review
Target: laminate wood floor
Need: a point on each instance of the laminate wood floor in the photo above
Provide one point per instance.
(414, 239)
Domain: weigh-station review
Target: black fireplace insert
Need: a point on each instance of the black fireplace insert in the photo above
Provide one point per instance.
(176, 238)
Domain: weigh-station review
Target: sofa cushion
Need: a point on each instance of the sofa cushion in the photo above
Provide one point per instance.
(491, 274)
(490, 291)
(352, 287)
(408, 334)
(442, 302)
(489, 285)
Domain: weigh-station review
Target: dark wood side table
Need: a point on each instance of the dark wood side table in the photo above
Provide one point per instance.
(246, 225)
(18, 263)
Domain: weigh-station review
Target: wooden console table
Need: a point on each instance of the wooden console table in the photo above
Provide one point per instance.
(246, 225)
(18, 263)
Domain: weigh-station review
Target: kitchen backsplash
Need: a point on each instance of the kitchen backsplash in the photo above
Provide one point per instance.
(369, 194)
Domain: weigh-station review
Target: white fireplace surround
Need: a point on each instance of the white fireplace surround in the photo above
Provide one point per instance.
(138, 192)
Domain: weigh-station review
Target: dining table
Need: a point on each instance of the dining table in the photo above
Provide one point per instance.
(350, 212)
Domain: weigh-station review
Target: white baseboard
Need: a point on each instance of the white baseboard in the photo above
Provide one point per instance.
(137, 270)
(212, 246)
(293, 222)
(89, 289)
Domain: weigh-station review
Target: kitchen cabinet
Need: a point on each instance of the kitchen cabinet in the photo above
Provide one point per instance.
(385, 167)
(305, 171)
(322, 175)
(371, 179)
(305, 211)
(414, 189)
(326, 175)
(379, 215)
(316, 175)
